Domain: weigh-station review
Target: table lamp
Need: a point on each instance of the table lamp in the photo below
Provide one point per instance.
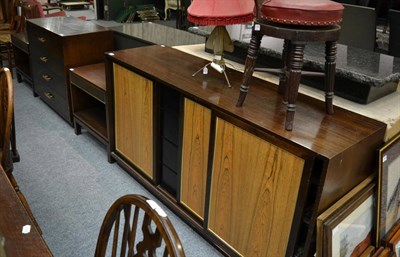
(220, 13)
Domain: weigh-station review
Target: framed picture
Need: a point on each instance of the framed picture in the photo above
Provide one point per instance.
(388, 208)
(378, 251)
(346, 228)
(386, 252)
(390, 239)
(394, 242)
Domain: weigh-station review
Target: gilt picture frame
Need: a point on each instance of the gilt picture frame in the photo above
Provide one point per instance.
(346, 228)
(391, 238)
(368, 252)
(388, 199)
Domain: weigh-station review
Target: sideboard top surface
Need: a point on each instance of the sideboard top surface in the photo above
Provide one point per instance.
(67, 26)
(326, 135)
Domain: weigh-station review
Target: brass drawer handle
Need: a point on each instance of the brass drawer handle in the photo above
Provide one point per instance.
(49, 95)
(46, 77)
(43, 58)
(41, 39)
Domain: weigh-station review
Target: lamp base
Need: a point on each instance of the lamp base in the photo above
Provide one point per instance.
(217, 67)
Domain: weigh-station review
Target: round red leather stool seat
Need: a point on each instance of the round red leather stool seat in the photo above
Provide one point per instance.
(211, 12)
(302, 12)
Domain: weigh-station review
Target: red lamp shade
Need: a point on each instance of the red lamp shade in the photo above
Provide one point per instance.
(220, 12)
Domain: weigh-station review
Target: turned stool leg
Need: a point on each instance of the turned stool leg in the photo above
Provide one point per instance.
(295, 65)
(330, 71)
(249, 65)
(283, 76)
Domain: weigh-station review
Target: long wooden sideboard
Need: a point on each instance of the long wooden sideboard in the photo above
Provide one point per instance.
(234, 174)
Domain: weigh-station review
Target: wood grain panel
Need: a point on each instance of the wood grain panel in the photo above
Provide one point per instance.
(133, 98)
(254, 191)
(196, 137)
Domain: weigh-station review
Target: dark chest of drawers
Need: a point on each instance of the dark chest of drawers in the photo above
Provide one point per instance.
(56, 45)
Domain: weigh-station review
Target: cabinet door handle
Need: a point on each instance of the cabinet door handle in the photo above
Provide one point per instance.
(43, 58)
(46, 77)
(49, 95)
(41, 39)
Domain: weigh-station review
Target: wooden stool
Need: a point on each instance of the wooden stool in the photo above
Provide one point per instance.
(297, 22)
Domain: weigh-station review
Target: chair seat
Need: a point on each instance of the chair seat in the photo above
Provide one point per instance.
(5, 38)
(4, 26)
(302, 12)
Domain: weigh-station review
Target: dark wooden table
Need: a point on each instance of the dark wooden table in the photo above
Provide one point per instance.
(13, 217)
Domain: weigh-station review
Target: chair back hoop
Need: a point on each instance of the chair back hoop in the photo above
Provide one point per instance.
(12, 11)
(18, 24)
(34, 9)
(6, 114)
(30, 10)
(151, 241)
(17, 18)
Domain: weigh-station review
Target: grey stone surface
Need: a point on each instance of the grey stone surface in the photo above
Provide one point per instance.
(362, 66)
(361, 75)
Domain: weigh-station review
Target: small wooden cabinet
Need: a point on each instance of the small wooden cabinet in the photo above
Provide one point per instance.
(88, 99)
(57, 44)
(21, 56)
(234, 174)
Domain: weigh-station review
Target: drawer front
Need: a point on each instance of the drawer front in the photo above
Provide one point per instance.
(46, 49)
(52, 62)
(41, 39)
(48, 59)
(54, 100)
(45, 78)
